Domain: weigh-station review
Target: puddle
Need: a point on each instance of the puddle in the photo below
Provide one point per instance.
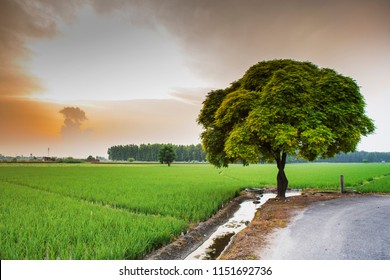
(216, 249)
(213, 247)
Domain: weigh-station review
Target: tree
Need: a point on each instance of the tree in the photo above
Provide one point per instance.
(166, 154)
(91, 158)
(280, 108)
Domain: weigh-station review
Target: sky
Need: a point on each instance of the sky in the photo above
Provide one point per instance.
(79, 76)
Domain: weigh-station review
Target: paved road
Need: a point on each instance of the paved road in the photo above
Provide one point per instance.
(350, 228)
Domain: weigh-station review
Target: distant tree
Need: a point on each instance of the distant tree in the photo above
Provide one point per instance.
(283, 107)
(166, 154)
(90, 158)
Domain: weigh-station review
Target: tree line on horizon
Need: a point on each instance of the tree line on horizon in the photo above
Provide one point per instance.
(149, 152)
(188, 153)
(352, 157)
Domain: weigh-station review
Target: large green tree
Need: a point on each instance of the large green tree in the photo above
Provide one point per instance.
(282, 107)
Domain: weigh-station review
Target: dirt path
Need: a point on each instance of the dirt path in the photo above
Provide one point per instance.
(246, 245)
(347, 228)
(274, 214)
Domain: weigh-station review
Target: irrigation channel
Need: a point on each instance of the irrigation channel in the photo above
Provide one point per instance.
(218, 241)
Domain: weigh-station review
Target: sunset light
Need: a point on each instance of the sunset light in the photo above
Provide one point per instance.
(140, 70)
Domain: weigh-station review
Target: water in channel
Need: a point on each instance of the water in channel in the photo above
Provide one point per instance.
(213, 247)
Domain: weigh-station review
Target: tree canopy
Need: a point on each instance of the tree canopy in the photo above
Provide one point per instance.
(282, 107)
(166, 154)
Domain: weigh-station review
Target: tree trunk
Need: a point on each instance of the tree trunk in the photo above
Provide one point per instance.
(281, 177)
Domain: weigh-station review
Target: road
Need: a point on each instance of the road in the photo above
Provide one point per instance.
(350, 228)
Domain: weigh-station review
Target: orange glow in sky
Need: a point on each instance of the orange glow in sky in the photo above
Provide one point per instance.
(139, 70)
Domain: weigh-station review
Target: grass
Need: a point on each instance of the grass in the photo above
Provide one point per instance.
(380, 184)
(85, 211)
(41, 225)
(151, 189)
(323, 176)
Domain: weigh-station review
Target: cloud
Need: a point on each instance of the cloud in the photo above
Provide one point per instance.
(224, 38)
(144, 121)
(22, 21)
(27, 126)
(220, 38)
(74, 137)
(193, 96)
(73, 118)
(13, 78)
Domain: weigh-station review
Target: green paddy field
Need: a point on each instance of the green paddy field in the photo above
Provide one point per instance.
(92, 211)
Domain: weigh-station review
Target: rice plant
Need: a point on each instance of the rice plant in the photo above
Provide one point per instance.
(59, 211)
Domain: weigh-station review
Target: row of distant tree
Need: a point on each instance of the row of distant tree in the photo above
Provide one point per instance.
(350, 157)
(150, 152)
(188, 153)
